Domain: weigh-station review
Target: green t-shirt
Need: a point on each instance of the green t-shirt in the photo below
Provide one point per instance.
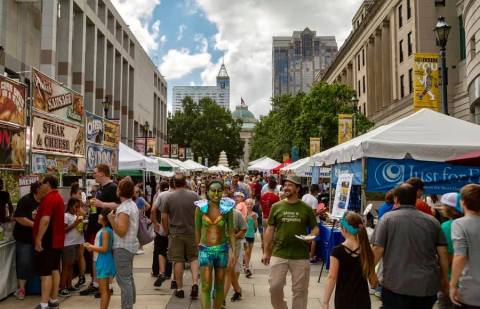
(447, 230)
(290, 220)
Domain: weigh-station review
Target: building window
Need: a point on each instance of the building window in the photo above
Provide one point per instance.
(400, 17)
(409, 9)
(363, 81)
(473, 47)
(400, 50)
(410, 43)
(358, 89)
(461, 27)
(410, 81)
(402, 88)
(364, 108)
(358, 62)
(363, 57)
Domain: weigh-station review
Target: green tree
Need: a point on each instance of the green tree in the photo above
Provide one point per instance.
(208, 129)
(294, 119)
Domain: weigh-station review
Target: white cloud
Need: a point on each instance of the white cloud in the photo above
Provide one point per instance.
(179, 62)
(202, 41)
(192, 83)
(181, 30)
(139, 16)
(245, 30)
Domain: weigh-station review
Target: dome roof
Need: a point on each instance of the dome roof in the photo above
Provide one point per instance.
(242, 112)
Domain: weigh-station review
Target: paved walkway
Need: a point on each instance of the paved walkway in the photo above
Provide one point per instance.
(255, 290)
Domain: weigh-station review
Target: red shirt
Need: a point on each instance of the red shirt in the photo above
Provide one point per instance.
(423, 207)
(256, 189)
(267, 200)
(52, 206)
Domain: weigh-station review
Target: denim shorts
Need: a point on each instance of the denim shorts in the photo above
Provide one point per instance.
(25, 260)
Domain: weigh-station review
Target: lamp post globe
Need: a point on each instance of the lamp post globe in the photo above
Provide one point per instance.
(442, 30)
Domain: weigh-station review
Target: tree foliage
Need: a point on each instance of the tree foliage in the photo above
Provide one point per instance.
(208, 129)
(293, 119)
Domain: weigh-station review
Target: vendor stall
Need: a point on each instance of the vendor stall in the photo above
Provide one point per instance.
(414, 146)
(264, 165)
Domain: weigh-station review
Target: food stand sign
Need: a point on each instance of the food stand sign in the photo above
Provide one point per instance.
(111, 133)
(56, 136)
(24, 183)
(12, 101)
(97, 154)
(151, 146)
(48, 163)
(49, 96)
(12, 148)
(94, 128)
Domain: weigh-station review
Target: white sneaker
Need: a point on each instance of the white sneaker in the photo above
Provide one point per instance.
(140, 252)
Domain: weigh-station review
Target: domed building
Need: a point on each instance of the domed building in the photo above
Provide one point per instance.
(241, 112)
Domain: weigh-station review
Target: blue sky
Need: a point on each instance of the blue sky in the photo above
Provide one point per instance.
(188, 39)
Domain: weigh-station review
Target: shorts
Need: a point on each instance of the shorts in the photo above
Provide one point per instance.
(250, 240)
(182, 248)
(70, 254)
(161, 244)
(239, 261)
(213, 256)
(48, 260)
(25, 260)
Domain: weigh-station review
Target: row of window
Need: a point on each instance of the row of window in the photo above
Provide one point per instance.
(409, 47)
(410, 83)
(400, 13)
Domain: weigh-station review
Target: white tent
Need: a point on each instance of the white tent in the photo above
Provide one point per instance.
(219, 169)
(425, 135)
(129, 159)
(299, 168)
(264, 165)
(257, 160)
(194, 166)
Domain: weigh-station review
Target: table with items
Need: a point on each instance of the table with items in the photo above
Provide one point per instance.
(326, 241)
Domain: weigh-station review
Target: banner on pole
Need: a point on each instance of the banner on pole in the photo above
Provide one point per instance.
(425, 81)
(314, 145)
(345, 124)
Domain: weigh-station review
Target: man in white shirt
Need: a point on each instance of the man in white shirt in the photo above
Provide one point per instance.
(311, 200)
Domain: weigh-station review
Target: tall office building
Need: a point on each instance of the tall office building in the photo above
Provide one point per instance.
(297, 59)
(219, 93)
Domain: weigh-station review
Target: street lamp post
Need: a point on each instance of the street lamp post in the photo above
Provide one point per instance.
(147, 125)
(107, 102)
(354, 116)
(441, 30)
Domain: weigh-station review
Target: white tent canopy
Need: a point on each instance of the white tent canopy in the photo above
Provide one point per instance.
(264, 165)
(193, 166)
(425, 135)
(219, 169)
(174, 165)
(129, 159)
(299, 168)
(257, 160)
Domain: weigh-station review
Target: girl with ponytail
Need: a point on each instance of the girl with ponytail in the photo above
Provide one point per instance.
(351, 265)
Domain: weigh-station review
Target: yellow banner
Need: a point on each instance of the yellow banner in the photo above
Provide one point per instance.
(425, 82)
(345, 123)
(314, 145)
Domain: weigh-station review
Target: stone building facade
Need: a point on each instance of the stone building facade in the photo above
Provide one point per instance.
(376, 60)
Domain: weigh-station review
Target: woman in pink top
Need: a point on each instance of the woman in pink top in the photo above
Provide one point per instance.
(240, 203)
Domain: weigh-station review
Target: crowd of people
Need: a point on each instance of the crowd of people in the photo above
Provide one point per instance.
(421, 250)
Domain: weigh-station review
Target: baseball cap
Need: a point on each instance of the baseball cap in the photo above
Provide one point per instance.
(295, 179)
(452, 199)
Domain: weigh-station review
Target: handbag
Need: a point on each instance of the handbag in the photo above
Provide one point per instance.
(145, 232)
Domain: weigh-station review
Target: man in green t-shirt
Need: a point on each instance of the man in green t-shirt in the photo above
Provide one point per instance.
(288, 218)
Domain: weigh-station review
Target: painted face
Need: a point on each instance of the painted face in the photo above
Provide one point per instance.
(215, 192)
